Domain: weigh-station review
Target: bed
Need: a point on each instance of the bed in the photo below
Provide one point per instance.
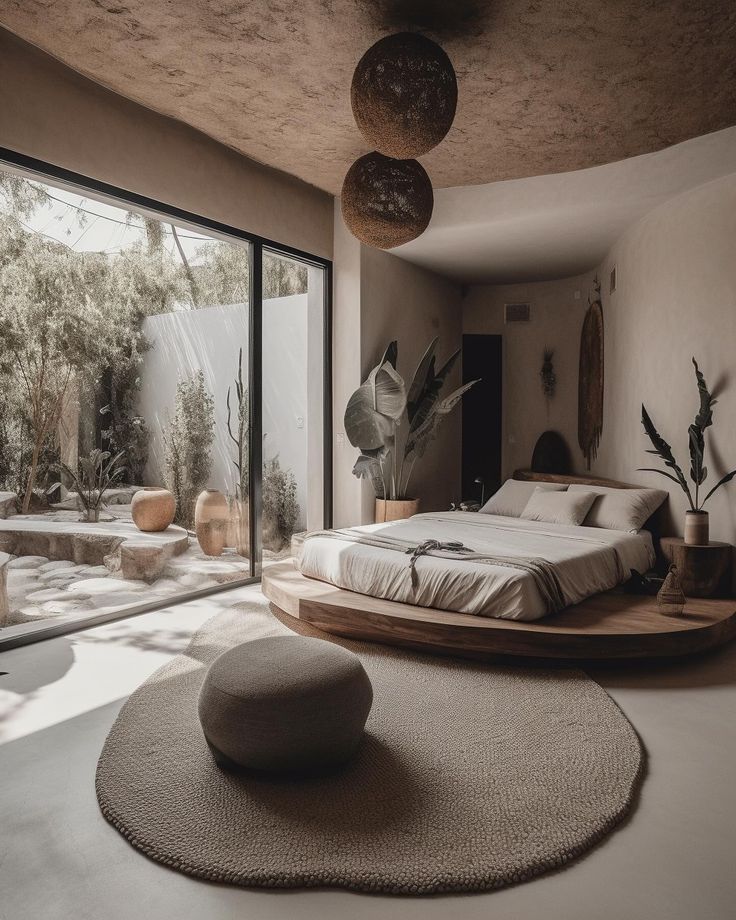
(529, 588)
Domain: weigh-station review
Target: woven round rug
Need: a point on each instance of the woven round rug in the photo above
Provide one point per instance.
(470, 777)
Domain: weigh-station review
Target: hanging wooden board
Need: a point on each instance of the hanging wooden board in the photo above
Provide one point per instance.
(590, 383)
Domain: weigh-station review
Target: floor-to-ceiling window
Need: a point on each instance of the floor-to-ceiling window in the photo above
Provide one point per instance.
(144, 350)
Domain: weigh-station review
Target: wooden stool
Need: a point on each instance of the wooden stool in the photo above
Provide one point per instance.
(705, 571)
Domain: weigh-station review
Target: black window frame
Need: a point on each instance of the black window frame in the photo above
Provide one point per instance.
(47, 172)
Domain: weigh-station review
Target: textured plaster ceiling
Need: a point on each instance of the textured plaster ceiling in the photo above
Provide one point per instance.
(545, 86)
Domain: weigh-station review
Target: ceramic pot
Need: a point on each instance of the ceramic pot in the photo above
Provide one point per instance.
(153, 509)
(696, 528)
(211, 519)
(387, 510)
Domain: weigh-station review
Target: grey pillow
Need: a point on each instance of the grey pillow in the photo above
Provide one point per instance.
(558, 507)
(512, 497)
(621, 509)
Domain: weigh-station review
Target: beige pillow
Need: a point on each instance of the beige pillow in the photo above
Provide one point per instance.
(621, 509)
(558, 507)
(512, 497)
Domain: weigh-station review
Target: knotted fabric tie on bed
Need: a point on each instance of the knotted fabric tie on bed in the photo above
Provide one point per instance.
(540, 569)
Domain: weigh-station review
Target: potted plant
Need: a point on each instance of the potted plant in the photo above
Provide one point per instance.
(393, 428)
(98, 473)
(696, 519)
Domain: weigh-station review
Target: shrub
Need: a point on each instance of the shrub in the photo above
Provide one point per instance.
(188, 441)
(280, 507)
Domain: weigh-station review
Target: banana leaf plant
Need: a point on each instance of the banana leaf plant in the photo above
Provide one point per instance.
(696, 441)
(98, 473)
(393, 428)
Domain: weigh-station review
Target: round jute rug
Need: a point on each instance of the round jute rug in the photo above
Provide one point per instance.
(470, 777)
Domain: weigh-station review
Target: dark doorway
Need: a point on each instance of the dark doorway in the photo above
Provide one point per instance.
(482, 415)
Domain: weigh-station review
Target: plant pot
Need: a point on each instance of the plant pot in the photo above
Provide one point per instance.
(211, 519)
(153, 509)
(696, 528)
(388, 510)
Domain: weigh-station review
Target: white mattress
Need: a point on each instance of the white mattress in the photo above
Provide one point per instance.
(586, 560)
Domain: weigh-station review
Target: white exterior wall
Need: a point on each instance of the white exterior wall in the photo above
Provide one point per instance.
(208, 339)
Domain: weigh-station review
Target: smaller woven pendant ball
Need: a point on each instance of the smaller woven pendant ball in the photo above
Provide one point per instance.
(386, 202)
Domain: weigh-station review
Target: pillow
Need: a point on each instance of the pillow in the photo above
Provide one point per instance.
(621, 509)
(558, 507)
(511, 498)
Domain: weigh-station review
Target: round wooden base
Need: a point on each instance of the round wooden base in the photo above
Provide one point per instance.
(608, 626)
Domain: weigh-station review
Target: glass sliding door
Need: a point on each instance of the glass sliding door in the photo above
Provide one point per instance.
(293, 401)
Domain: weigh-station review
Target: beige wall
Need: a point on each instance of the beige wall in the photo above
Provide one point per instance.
(379, 297)
(675, 298)
(412, 305)
(556, 318)
(50, 112)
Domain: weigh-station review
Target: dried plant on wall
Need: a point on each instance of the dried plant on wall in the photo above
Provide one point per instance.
(547, 374)
(590, 380)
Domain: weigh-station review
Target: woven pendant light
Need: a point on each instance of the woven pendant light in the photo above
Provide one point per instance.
(404, 95)
(386, 202)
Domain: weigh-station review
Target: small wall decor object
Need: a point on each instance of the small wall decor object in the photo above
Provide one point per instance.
(153, 509)
(386, 202)
(590, 380)
(211, 521)
(404, 95)
(696, 519)
(671, 599)
(547, 374)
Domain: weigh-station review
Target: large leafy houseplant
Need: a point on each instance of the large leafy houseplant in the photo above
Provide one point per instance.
(393, 428)
(696, 441)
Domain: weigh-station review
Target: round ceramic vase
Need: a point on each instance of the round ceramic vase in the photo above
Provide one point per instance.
(153, 509)
(212, 521)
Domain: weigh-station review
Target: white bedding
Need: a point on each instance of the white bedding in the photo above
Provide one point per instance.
(586, 559)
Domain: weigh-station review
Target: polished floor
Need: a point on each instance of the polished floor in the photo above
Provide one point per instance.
(59, 859)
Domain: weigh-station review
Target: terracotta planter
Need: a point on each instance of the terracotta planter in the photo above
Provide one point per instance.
(697, 529)
(211, 520)
(153, 509)
(387, 510)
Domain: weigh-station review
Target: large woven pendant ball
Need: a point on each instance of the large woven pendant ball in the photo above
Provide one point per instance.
(386, 202)
(404, 95)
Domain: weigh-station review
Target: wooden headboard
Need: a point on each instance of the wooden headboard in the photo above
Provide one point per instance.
(531, 476)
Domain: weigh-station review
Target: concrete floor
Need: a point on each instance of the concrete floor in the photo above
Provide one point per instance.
(59, 859)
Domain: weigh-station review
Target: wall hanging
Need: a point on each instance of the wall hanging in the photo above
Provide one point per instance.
(404, 97)
(386, 202)
(547, 374)
(590, 379)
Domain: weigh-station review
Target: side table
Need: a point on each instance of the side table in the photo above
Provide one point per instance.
(705, 571)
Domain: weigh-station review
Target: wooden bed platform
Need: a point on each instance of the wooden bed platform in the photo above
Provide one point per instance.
(609, 626)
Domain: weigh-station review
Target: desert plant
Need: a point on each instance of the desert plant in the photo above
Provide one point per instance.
(240, 437)
(547, 373)
(188, 441)
(280, 507)
(97, 474)
(696, 441)
(379, 411)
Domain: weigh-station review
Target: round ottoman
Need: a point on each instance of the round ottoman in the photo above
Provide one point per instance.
(285, 704)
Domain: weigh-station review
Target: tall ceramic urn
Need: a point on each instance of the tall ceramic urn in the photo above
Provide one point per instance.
(211, 521)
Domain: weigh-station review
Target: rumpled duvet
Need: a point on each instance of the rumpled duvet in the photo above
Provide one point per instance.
(509, 568)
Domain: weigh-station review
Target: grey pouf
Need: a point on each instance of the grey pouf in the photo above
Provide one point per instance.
(285, 704)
